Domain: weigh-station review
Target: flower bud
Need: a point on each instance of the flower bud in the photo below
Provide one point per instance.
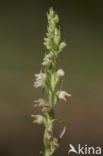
(56, 31)
(57, 36)
(50, 55)
(60, 72)
(40, 80)
(56, 18)
(51, 12)
(46, 63)
(62, 46)
(47, 60)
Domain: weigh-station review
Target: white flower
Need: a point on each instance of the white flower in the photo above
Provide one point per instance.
(37, 119)
(60, 72)
(46, 62)
(47, 59)
(40, 80)
(39, 103)
(64, 95)
(62, 46)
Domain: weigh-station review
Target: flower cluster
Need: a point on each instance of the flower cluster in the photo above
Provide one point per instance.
(40, 80)
(48, 79)
(47, 60)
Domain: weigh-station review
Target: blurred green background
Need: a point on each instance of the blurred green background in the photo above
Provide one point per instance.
(22, 29)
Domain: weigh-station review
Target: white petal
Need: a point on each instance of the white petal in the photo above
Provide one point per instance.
(60, 72)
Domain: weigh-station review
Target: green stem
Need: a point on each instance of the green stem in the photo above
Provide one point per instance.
(47, 152)
(49, 127)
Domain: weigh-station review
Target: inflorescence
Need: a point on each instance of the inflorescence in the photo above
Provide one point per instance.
(47, 79)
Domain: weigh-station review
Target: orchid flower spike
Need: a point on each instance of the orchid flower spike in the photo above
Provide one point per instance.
(50, 80)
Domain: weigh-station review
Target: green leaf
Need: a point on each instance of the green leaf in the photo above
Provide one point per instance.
(45, 121)
(62, 133)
